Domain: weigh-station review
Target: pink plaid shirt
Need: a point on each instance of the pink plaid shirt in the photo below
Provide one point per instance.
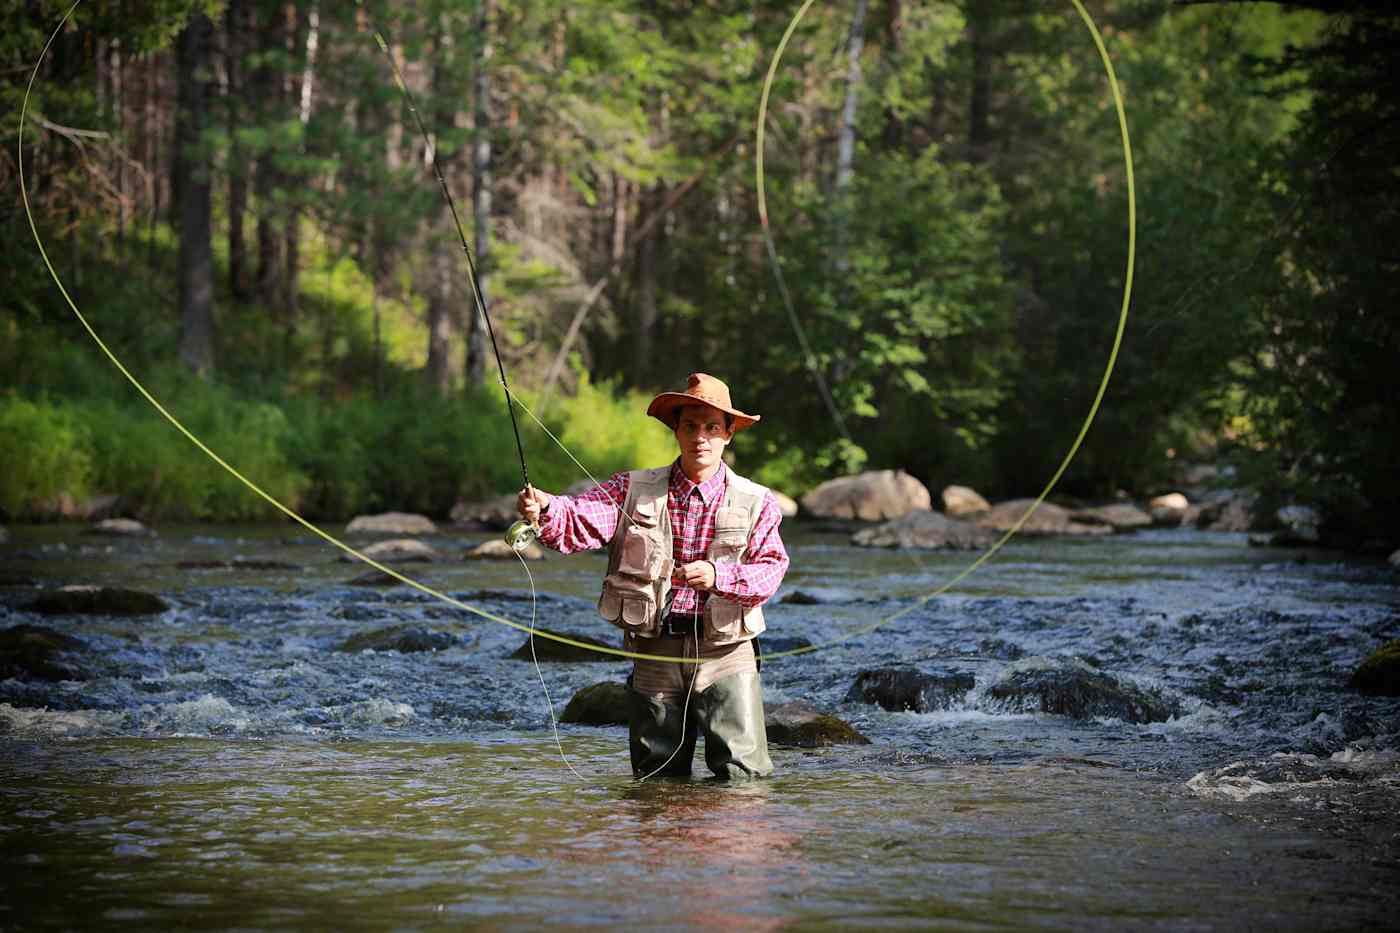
(582, 523)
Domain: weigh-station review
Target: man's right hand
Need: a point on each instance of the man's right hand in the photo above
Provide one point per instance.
(531, 504)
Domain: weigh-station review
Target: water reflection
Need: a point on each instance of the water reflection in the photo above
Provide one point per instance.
(719, 846)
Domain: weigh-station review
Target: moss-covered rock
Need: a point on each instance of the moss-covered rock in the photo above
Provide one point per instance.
(401, 638)
(98, 600)
(1380, 673)
(801, 724)
(33, 652)
(547, 649)
(603, 704)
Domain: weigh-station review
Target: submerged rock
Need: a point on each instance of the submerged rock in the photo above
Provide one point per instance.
(776, 644)
(799, 598)
(927, 530)
(496, 549)
(1072, 688)
(401, 638)
(1379, 673)
(1353, 769)
(903, 688)
(397, 551)
(33, 652)
(801, 724)
(238, 563)
(373, 577)
(391, 523)
(547, 649)
(602, 704)
(874, 496)
(97, 600)
(959, 501)
(120, 528)
(1119, 516)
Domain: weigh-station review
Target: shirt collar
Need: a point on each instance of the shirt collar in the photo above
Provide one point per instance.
(709, 489)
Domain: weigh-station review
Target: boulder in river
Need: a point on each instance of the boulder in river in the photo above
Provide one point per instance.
(391, 523)
(1069, 687)
(97, 600)
(1169, 509)
(547, 649)
(927, 530)
(602, 704)
(1120, 516)
(962, 501)
(1298, 526)
(1395, 559)
(903, 688)
(787, 505)
(1380, 673)
(397, 551)
(801, 724)
(1225, 510)
(799, 598)
(496, 549)
(404, 639)
(873, 496)
(33, 652)
(120, 528)
(1048, 519)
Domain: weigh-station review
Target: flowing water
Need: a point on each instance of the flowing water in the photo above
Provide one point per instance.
(225, 764)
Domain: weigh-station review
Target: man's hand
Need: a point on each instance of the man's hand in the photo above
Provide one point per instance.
(698, 574)
(531, 503)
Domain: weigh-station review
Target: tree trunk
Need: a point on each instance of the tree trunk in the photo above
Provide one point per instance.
(234, 23)
(646, 314)
(978, 119)
(846, 138)
(304, 40)
(477, 335)
(442, 247)
(267, 90)
(190, 179)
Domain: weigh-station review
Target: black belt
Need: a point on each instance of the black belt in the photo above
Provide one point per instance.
(678, 624)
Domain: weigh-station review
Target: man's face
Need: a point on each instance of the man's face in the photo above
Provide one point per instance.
(702, 436)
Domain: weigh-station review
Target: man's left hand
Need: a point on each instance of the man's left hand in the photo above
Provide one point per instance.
(698, 575)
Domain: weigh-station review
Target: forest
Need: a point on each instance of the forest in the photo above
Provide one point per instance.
(237, 196)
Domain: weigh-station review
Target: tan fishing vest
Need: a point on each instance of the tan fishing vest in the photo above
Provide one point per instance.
(640, 558)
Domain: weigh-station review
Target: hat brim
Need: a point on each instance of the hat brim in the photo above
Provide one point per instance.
(663, 409)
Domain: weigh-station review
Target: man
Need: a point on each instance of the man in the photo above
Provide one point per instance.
(694, 551)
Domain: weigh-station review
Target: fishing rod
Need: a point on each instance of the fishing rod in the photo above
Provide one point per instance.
(520, 534)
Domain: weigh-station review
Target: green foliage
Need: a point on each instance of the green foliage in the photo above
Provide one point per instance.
(46, 453)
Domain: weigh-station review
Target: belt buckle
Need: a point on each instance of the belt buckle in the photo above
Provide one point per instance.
(681, 623)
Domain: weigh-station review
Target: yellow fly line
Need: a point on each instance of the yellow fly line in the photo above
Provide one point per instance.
(444, 597)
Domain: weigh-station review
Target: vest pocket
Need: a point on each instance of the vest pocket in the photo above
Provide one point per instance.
(724, 621)
(628, 603)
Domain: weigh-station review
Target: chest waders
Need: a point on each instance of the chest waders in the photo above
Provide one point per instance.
(729, 712)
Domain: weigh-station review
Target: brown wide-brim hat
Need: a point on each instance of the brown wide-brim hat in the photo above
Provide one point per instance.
(700, 389)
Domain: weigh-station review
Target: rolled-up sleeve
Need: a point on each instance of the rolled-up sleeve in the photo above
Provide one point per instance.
(586, 522)
(759, 573)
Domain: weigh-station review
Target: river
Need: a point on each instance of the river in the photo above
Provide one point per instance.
(225, 765)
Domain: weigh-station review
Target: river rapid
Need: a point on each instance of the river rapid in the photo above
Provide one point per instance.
(226, 764)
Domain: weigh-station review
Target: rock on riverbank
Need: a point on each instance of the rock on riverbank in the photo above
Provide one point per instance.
(926, 530)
